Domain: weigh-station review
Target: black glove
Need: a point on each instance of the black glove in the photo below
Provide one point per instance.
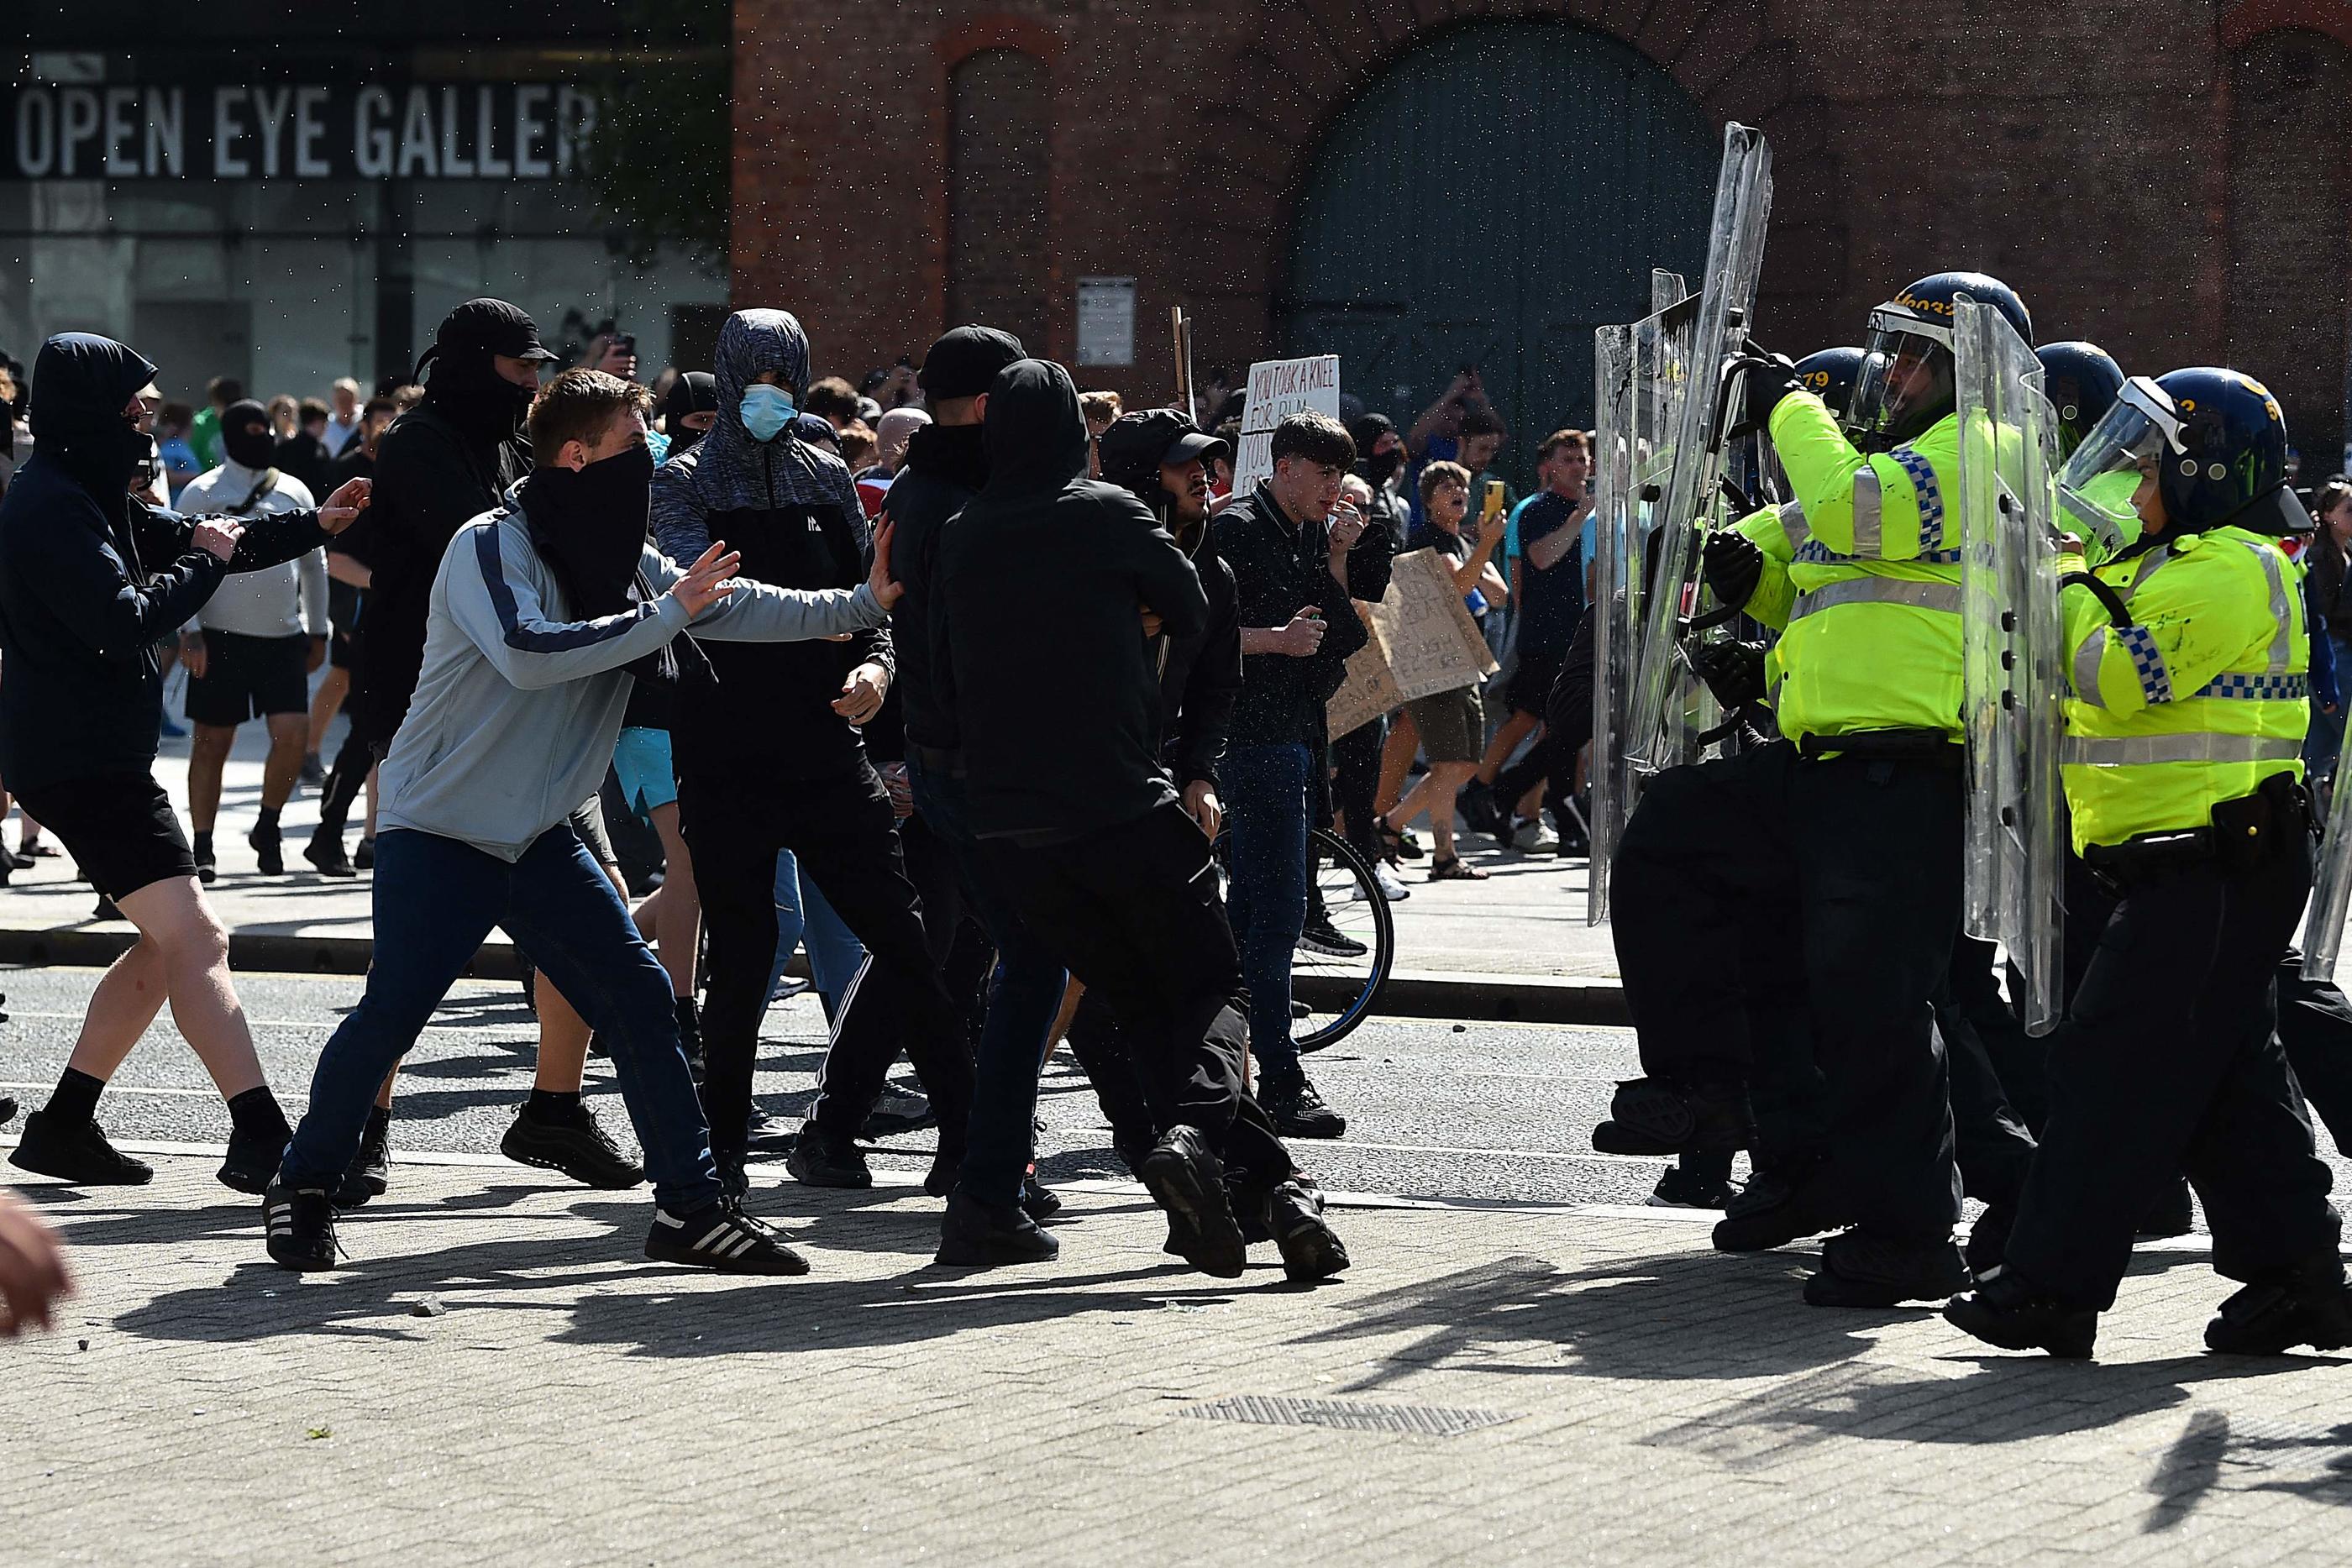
(1733, 567)
(1764, 380)
(1733, 671)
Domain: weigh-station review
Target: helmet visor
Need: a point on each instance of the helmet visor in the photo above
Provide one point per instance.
(2122, 450)
(1906, 381)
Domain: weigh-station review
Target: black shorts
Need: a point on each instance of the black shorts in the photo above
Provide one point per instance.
(1531, 685)
(249, 677)
(120, 828)
(344, 602)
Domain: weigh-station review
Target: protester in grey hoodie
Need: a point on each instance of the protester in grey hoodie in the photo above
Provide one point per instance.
(542, 616)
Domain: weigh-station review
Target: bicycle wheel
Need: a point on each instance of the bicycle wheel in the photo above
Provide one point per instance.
(1344, 956)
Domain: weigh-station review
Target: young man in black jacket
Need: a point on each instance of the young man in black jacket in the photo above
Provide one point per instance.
(1035, 601)
(992, 1215)
(443, 463)
(84, 597)
(769, 758)
(1291, 543)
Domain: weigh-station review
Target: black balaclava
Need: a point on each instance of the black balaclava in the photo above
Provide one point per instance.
(590, 526)
(81, 383)
(695, 392)
(1368, 429)
(464, 383)
(244, 435)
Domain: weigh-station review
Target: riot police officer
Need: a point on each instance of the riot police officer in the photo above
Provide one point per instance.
(2182, 769)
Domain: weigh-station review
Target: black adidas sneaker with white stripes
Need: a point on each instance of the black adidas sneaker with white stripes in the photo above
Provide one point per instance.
(299, 1224)
(720, 1235)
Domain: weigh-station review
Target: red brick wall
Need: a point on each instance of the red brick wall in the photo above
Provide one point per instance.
(2093, 154)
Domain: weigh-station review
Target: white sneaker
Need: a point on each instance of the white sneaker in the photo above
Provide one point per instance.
(1535, 837)
(1395, 890)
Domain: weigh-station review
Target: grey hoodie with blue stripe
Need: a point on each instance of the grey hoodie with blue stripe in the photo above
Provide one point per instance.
(518, 709)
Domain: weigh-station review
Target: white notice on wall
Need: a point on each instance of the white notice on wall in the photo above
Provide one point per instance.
(1278, 389)
(1105, 320)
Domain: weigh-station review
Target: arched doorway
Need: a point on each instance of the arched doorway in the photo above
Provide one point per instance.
(1492, 197)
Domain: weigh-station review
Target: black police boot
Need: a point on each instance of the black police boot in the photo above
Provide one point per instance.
(1310, 1249)
(1661, 1116)
(1779, 1207)
(1861, 1270)
(2172, 1212)
(2005, 1311)
(2310, 1307)
(976, 1235)
(1188, 1180)
(1988, 1237)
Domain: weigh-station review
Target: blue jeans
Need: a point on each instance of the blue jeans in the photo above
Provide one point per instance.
(1025, 994)
(802, 915)
(1266, 792)
(436, 899)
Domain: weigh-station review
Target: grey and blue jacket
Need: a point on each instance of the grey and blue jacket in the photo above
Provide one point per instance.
(519, 707)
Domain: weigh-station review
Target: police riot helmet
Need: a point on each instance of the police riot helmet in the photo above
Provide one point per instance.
(2081, 381)
(1905, 384)
(1830, 375)
(2212, 440)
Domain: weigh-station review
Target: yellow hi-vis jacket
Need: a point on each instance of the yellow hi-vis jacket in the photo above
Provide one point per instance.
(1872, 637)
(2204, 695)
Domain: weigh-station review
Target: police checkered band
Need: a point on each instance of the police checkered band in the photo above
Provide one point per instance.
(2258, 688)
(1931, 498)
(1812, 552)
(2154, 681)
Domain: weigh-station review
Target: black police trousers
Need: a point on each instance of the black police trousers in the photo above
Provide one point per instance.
(1833, 885)
(2168, 1062)
(1132, 911)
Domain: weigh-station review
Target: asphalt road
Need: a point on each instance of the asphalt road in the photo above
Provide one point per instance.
(1463, 1111)
(1474, 1112)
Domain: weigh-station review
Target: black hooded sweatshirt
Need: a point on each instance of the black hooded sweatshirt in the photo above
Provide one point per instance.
(1200, 675)
(443, 463)
(91, 580)
(946, 466)
(1036, 607)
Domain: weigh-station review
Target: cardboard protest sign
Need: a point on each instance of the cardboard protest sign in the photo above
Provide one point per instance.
(1278, 389)
(1370, 691)
(1426, 631)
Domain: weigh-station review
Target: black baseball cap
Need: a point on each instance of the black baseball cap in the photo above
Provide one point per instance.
(1154, 438)
(490, 327)
(964, 362)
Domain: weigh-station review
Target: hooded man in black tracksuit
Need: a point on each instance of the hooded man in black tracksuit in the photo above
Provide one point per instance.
(1161, 457)
(1036, 602)
(769, 758)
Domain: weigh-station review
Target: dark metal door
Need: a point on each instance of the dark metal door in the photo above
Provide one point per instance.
(1489, 200)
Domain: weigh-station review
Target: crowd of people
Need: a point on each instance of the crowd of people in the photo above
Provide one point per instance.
(493, 565)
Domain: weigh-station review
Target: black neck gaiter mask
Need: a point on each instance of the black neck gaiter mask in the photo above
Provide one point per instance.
(588, 526)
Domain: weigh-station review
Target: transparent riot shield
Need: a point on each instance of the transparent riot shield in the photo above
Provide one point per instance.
(2331, 890)
(2013, 654)
(1670, 709)
(1642, 373)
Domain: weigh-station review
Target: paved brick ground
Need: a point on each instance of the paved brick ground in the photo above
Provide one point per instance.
(571, 1403)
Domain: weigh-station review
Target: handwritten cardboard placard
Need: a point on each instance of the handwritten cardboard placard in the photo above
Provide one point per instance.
(1278, 389)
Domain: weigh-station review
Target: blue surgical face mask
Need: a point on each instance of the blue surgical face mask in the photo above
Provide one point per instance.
(766, 410)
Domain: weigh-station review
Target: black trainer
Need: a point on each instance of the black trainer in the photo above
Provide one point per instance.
(1297, 1111)
(769, 1133)
(1776, 1211)
(1188, 1182)
(1680, 1188)
(977, 1235)
(325, 854)
(1319, 935)
(298, 1224)
(1988, 1237)
(79, 1155)
(574, 1147)
(946, 1170)
(1652, 1116)
(1480, 813)
(369, 1173)
(1861, 1270)
(207, 872)
(821, 1159)
(2004, 1311)
(1310, 1249)
(7, 1104)
(252, 1161)
(2313, 1308)
(720, 1235)
(268, 852)
(1038, 1201)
